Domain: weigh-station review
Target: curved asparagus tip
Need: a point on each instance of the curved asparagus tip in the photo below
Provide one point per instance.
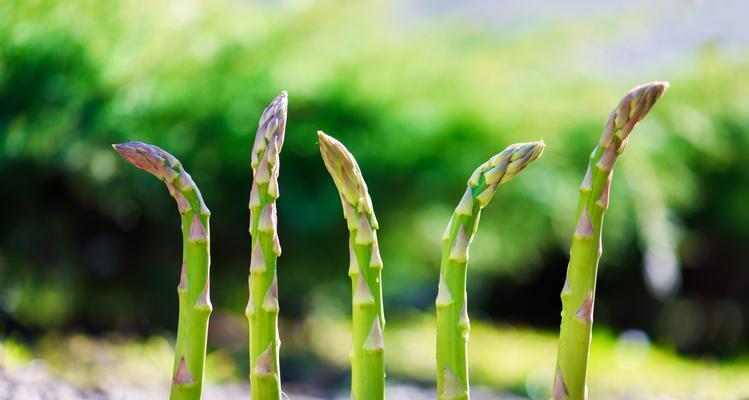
(633, 107)
(345, 172)
(149, 158)
(501, 168)
(579, 287)
(262, 307)
(452, 311)
(365, 267)
(194, 298)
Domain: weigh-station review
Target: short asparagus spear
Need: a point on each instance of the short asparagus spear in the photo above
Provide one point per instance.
(262, 306)
(365, 266)
(193, 289)
(452, 314)
(579, 289)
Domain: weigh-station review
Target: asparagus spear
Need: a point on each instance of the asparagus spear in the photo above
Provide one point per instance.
(579, 289)
(193, 289)
(452, 313)
(365, 267)
(262, 306)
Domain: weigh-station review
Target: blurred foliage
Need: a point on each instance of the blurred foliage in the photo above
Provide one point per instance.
(522, 360)
(88, 242)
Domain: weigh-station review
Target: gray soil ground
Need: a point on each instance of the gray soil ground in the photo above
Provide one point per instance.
(32, 382)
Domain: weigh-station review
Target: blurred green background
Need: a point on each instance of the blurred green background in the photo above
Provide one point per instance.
(421, 92)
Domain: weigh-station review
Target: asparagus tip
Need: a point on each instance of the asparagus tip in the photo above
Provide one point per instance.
(347, 177)
(270, 133)
(524, 154)
(632, 108)
(503, 167)
(149, 158)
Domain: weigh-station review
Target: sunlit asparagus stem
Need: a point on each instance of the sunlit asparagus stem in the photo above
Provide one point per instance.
(262, 306)
(365, 267)
(193, 289)
(452, 313)
(579, 289)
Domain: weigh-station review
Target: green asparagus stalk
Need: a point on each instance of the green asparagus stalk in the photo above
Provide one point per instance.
(194, 283)
(365, 267)
(579, 289)
(262, 306)
(452, 312)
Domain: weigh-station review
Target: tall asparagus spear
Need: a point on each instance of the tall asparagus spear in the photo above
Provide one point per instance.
(579, 288)
(365, 267)
(194, 284)
(262, 306)
(452, 313)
